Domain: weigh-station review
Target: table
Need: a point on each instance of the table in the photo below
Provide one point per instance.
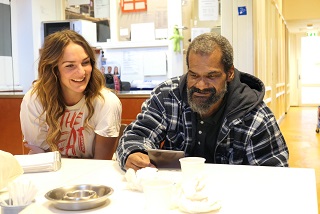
(242, 189)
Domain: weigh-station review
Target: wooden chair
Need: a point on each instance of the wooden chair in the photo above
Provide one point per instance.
(122, 127)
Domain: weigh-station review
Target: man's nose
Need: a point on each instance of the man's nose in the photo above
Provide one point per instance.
(202, 83)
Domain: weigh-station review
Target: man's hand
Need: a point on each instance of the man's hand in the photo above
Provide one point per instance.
(137, 161)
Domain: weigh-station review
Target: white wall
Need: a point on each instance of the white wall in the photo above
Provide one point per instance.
(294, 68)
(174, 60)
(239, 31)
(27, 16)
(26, 35)
(6, 70)
(22, 42)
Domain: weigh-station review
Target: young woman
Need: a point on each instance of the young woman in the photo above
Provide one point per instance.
(68, 108)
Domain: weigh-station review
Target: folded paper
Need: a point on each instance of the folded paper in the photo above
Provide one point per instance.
(41, 162)
(135, 180)
(9, 168)
(194, 197)
(189, 195)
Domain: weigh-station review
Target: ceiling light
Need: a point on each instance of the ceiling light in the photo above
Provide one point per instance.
(309, 26)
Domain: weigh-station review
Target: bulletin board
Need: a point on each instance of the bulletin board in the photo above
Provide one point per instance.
(156, 13)
(133, 5)
(139, 63)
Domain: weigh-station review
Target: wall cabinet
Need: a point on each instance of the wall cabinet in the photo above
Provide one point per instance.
(131, 106)
(11, 135)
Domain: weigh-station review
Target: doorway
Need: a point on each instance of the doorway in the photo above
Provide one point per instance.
(310, 71)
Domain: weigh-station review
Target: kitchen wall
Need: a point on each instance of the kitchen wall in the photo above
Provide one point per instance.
(27, 16)
(6, 71)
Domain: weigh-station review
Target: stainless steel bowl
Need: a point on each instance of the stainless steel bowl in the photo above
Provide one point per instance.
(79, 197)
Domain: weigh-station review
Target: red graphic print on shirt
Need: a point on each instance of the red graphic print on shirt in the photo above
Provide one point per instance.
(81, 140)
(72, 138)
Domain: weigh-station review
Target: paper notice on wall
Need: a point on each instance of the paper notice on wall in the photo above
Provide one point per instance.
(142, 32)
(208, 10)
(131, 63)
(154, 63)
(77, 2)
(137, 64)
(197, 31)
(102, 9)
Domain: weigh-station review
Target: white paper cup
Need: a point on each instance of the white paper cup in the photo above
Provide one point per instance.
(158, 196)
(192, 166)
(10, 209)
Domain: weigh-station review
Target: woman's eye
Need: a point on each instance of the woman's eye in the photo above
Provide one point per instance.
(70, 66)
(86, 62)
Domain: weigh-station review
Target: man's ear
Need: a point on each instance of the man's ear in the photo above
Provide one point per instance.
(230, 74)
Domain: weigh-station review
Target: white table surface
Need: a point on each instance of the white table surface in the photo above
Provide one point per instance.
(241, 189)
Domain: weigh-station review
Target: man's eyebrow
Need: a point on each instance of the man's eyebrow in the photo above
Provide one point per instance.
(214, 72)
(210, 72)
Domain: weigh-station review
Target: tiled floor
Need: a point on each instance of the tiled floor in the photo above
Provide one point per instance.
(299, 130)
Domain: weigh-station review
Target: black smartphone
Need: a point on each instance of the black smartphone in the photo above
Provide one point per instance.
(165, 158)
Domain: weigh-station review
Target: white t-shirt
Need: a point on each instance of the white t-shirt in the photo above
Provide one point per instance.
(75, 141)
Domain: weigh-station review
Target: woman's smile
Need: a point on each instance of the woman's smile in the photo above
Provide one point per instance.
(78, 80)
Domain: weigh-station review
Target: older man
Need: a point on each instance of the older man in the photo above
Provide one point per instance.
(213, 111)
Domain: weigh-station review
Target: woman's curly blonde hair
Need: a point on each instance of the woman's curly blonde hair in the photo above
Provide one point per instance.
(48, 89)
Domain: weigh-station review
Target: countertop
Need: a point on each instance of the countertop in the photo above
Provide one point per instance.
(11, 94)
(120, 94)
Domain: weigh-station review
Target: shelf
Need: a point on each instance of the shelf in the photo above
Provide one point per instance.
(130, 44)
(73, 15)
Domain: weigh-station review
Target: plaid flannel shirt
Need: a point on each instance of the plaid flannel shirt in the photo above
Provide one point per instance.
(165, 119)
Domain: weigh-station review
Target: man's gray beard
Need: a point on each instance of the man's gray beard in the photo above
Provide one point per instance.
(204, 107)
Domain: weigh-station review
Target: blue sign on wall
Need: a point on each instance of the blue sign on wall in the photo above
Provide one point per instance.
(242, 11)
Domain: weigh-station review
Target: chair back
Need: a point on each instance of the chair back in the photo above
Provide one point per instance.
(122, 128)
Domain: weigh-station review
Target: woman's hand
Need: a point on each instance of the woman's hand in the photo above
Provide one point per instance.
(33, 149)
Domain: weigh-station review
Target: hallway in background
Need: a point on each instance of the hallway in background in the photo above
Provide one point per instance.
(299, 130)
(309, 77)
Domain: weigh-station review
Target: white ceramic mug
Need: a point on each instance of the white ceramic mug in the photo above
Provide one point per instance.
(191, 166)
(10, 209)
(158, 195)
